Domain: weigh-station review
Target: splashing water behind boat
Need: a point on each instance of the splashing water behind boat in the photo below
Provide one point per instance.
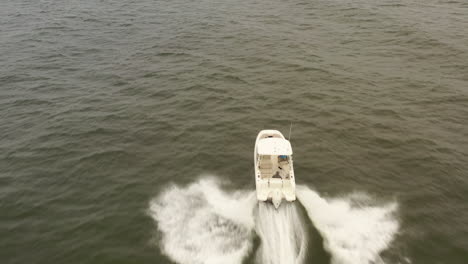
(200, 223)
(352, 234)
(283, 235)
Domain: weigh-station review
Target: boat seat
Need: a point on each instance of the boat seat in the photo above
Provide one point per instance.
(266, 173)
(266, 164)
(266, 168)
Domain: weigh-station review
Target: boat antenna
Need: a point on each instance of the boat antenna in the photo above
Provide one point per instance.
(290, 129)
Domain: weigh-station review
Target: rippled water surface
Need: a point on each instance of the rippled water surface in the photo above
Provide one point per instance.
(107, 107)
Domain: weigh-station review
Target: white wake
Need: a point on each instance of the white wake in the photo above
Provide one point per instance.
(202, 224)
(283, 234)
(352, 234)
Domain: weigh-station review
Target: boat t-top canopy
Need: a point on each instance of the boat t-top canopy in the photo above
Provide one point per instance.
(274, 146)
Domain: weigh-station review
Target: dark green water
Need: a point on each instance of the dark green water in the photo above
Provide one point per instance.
(105, 104)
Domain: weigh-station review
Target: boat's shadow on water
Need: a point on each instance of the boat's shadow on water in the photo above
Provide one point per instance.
(285, 235)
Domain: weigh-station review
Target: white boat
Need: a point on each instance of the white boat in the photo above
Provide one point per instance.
(274, 174)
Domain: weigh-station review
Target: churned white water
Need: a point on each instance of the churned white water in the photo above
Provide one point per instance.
(352, 234)
(282, 232)
(201, 223)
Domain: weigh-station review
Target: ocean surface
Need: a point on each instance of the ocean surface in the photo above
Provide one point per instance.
(127, 131)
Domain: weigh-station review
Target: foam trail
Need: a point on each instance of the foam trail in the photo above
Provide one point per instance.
(282, 233)
(353, 235)
(203, 225)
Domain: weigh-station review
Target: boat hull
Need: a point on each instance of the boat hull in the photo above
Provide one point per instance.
(273, 182)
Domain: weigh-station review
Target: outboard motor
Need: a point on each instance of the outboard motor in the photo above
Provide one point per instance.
(276, 198)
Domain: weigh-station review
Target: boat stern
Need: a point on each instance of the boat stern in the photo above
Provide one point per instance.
(276, 198)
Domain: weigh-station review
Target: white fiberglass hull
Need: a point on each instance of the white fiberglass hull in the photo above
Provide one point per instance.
(274, 173)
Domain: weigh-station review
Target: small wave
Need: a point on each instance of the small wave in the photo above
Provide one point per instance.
(173, 54)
